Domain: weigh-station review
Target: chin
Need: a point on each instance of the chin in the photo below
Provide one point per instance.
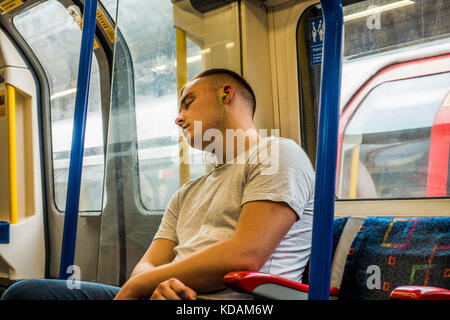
(186, 134)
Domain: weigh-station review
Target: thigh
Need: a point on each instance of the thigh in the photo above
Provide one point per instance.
(52, 289)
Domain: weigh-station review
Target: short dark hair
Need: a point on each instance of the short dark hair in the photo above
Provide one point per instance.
(244, 87)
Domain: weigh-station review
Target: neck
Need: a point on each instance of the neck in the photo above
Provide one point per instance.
(236, 142)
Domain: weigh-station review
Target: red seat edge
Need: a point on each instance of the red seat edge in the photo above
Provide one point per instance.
(247, 281)
(419, 293)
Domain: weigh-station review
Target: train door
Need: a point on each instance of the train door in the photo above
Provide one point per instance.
(51, 49)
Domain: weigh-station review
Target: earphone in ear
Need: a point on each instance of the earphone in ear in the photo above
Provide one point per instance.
(223, 96)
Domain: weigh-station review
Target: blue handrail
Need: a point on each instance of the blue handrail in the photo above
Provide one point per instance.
(322, 237)
(79, 128)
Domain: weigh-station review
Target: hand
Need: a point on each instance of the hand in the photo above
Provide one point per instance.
(173, 289)
(125, 294)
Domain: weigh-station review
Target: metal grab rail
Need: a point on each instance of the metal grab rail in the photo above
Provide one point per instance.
(322, 237)
(181, 81)
(11, 99)
(79, 127)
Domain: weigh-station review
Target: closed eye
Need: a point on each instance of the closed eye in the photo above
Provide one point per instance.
(184, 104)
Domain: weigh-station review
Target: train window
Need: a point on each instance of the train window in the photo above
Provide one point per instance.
(386, 141)
(56, 43)
(386, 144)
(111, 7)
(155, 81)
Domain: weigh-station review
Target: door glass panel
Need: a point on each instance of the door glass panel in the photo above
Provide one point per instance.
(56, 43)
(111, 7)
(155, 85)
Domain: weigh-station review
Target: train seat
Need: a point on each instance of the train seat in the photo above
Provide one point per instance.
(344, 230)
(409, 255)
(269, 286)
(392, 252)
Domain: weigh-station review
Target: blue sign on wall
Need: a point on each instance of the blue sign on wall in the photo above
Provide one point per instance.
(316, 33)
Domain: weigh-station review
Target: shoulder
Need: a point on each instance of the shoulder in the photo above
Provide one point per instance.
(286, 144)
(281, 156)
(284, 148)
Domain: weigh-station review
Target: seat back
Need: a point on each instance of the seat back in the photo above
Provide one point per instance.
(338, 226)
(341, 245)
(389, 252)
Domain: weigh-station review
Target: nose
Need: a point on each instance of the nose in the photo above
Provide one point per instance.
(179, 120)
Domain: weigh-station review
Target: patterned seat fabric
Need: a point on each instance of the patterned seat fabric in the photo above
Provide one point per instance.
(4, 232)
(390, 252)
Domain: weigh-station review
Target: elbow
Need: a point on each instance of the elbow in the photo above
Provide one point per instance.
(255, 265)
(248, 260)
(247, 264)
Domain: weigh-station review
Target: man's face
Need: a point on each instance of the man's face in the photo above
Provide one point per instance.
(198, 103)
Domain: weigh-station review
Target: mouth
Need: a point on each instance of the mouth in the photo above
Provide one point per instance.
(184, 128)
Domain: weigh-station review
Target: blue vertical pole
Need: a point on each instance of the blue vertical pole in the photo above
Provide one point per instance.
(322, 237)
(79, 127)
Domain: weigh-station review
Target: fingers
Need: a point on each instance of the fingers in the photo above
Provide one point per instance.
(183, 291)
(164, 293)
(173, 289)
(191, 294)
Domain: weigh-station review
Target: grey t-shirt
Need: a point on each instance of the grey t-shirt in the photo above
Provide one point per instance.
(206, 210)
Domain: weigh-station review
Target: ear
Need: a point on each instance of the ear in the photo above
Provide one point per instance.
(226, 93)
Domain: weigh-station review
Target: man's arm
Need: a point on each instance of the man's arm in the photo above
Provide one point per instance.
(159, 253)
(261, 227)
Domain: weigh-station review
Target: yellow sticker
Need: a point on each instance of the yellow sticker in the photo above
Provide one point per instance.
(2, 104)
(8, 5)
(106, 26)
(79, 22)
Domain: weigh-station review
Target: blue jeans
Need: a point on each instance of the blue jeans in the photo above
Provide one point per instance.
(52, 289)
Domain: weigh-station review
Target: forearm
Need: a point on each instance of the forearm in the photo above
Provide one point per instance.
(202, 271)
(141, 267)
(159, 253)
(261, 227)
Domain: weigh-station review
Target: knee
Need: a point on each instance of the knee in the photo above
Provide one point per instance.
(21, 290)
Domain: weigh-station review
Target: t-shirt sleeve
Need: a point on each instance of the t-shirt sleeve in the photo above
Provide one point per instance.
(168, 227)
(280, 172)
